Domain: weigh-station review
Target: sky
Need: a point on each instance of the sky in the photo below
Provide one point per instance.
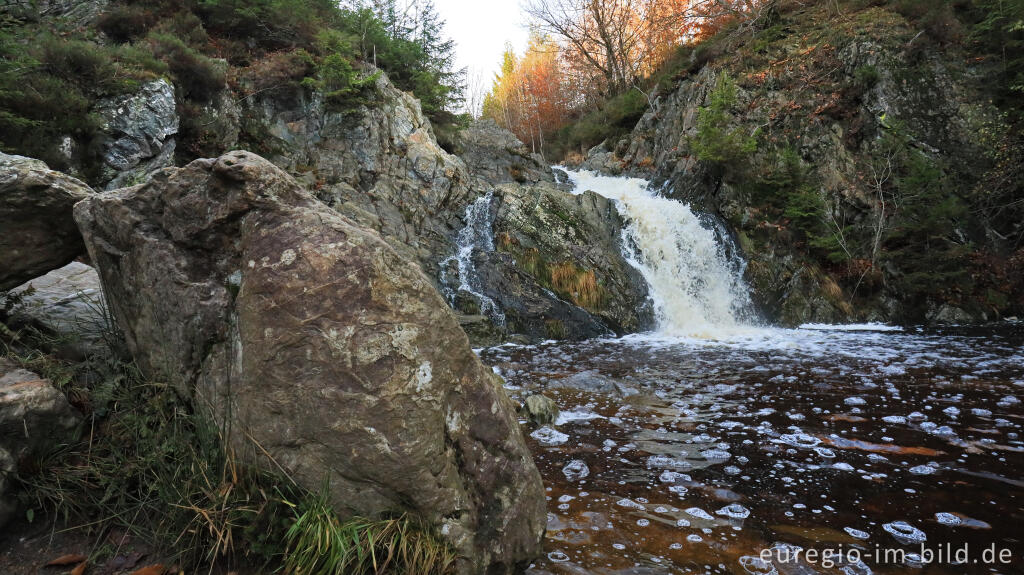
(481, 28)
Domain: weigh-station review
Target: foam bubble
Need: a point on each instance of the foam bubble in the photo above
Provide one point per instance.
(905, 533)
(576, 470)
(734, 511)
(856, 533)
(547, 436)
(699, 513)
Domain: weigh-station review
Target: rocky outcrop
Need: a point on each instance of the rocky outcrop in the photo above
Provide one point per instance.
(75, 12)
(535, 260)
(557, 271)
(379, 165)
(138, 133)
(35, 418)
(319, 345)
(39, 232)
(493, 155)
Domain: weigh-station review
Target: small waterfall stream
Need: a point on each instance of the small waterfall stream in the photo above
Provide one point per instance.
(477, 234)
(696, 286)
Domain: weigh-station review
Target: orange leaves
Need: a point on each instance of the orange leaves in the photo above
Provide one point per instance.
(156, 569)
(64, 560)
(79, 561)
(529, 96)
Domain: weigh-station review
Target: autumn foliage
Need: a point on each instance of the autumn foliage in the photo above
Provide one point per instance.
(582, 52)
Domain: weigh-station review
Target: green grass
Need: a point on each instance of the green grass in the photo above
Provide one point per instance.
(319, 543)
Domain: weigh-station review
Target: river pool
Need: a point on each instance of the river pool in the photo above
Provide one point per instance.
(856, 449)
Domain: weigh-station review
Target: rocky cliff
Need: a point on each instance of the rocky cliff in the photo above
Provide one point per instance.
(852, 154)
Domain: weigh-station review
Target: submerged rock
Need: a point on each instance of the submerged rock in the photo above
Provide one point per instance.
(35, 417)
(39, 233)
(540, 409)
(320, 347)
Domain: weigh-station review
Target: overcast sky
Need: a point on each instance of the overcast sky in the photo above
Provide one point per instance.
(481, 28)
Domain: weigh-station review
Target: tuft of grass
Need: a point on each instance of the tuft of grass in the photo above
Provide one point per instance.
(154, 467)
(580, 285)
(319, 543)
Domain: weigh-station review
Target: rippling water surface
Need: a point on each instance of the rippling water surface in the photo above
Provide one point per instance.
(696, 455)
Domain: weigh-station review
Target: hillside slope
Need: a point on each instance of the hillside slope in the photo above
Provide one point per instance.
(859, 159)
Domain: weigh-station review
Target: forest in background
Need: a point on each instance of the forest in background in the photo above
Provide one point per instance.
(592, 67)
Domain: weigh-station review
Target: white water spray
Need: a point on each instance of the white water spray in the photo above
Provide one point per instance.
(695, 288)
(477, 234)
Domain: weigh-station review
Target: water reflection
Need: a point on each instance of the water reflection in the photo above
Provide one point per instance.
(696, 456)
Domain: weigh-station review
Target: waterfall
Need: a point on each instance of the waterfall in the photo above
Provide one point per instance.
(476, 234)
(695, 283)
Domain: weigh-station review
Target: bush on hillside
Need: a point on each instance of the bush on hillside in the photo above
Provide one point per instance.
(715, 141)
(198, 78)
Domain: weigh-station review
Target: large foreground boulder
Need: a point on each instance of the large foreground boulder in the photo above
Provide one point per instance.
(38, 231)
(317, 345)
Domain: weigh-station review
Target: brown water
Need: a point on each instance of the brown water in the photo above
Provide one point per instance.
(701, 455)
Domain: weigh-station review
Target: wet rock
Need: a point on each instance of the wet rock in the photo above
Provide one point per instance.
(946, 313)
(139, 130)
(39, 233)
(35, 417)
(593, 382)
(319, 344)
(540, 409)
(481, 331)
(68, 303)
(556, 270)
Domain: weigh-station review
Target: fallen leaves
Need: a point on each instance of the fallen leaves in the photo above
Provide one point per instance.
(843, 443)
(156, 569)
(69, 559)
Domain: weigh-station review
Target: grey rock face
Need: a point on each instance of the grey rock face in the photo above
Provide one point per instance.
(319, 343)
(69, 303)
(34, 416)
(78, 12)
(39, 233)
(493, 155)
(380, 166)
(139, 129)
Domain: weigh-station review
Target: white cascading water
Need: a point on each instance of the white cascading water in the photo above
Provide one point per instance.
(695, 289)
(477, 234)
